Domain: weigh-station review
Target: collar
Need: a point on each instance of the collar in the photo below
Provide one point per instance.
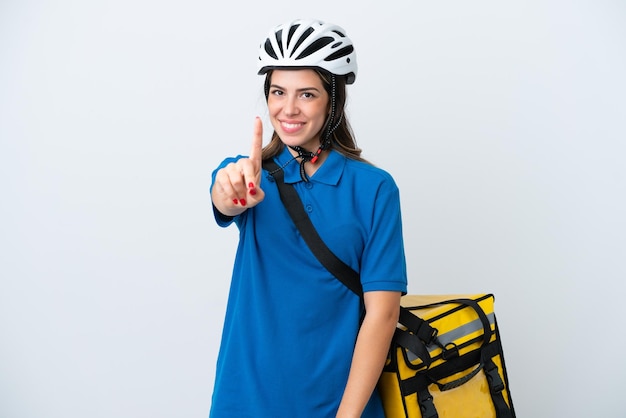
(328, 173)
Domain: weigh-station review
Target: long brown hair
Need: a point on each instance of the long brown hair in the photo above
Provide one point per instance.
(342, 138)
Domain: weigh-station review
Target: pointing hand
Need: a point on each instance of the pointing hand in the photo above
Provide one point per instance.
(236, 185)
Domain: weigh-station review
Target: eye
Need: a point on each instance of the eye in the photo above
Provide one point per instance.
(308, 95)
(276, 92)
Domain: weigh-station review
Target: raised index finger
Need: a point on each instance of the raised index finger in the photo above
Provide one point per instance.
(257, 143)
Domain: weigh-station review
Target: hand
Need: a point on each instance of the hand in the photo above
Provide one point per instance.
(236, 186)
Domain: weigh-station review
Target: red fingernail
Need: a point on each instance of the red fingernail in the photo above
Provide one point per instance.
(243, 202)
(252, 192)
(251, 185)
(235, 201)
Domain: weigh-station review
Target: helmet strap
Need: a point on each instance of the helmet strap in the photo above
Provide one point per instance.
(306, 156)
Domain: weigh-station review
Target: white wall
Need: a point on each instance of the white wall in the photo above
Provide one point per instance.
(502, 122)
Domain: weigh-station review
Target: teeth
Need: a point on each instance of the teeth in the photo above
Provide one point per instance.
(291, 125)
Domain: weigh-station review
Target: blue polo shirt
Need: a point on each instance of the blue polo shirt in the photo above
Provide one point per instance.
(290, 326)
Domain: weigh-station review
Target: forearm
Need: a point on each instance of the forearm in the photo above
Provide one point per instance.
(370, 353)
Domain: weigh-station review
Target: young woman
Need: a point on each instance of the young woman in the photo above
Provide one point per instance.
(296, 342)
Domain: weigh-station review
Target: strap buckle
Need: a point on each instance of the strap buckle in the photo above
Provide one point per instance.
(496, 385)
(426, 404)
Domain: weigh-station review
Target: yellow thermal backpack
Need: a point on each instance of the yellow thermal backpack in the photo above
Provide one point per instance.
(446, 360)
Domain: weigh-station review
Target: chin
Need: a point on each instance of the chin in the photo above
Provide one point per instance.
(292, 140)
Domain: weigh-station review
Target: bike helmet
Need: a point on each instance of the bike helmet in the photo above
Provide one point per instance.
(309, 44)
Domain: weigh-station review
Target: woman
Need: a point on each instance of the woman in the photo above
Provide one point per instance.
(296, 342)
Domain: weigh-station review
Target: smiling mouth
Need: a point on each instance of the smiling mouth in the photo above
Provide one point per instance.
(287, 125)
(291, 127)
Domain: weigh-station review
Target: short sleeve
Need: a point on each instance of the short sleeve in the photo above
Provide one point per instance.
(383, 265)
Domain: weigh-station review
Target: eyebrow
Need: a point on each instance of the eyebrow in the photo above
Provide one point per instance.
(298, 90)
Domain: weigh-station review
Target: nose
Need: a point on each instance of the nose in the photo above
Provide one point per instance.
(291, 106)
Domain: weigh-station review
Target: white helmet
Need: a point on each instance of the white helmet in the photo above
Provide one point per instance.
(309, 44)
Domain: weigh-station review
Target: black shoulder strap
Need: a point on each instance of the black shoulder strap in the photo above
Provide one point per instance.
(290, 198)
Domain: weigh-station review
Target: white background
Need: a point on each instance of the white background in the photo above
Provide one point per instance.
(502, 122)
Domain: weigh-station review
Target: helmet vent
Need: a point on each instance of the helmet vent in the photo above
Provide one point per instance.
(345, 51)
(302, 38)
(292, 30)
(270, 51)
(316, 46)
(279, 35)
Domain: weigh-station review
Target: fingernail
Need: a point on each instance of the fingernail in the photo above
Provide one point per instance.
(251, 185)
(253, 192)
(243, 202)
(235, 201)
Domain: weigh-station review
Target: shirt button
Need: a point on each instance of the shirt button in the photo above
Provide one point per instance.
(309, 208)
(308, 185)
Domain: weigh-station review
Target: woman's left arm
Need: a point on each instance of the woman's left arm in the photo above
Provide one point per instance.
(382, 310)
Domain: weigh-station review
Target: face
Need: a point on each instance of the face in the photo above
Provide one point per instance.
(298, 106)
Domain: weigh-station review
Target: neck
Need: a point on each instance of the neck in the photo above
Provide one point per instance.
(310, 167)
